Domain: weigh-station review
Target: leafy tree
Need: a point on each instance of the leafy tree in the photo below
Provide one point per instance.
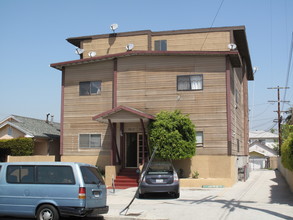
(173, 134)
(287, 152)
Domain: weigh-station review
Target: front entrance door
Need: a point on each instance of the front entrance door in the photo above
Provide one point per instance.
(131, 150)
(135, 151)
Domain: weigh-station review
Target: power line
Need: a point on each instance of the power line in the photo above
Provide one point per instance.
(279, 114)
(289, 69)
(212, 23)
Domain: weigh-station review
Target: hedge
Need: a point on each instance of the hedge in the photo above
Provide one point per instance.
(287, 152)
(17, 146)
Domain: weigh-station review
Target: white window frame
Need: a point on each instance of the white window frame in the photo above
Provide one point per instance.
(199, 144)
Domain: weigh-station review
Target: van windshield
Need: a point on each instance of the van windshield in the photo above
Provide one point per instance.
(91, 175)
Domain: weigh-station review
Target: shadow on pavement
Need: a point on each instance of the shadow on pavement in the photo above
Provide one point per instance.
(281, 193)
(232, 205)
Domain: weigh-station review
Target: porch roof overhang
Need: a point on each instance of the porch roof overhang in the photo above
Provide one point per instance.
(123, 114)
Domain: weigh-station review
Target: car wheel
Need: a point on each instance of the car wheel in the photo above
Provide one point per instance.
(141, 196)
(47, 212)
(176, 195)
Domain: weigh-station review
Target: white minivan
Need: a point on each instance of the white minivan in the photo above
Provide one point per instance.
(48, 190)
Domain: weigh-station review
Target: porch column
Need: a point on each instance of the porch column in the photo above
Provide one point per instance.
(115, 154)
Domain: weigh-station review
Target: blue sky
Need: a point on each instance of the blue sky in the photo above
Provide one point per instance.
(33, 34)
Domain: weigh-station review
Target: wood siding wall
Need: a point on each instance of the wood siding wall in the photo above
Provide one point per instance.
(114, 44)
(79, 110)
(150, 85)
(212, 41)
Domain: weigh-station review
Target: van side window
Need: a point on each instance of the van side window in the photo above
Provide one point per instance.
(91, 175)
(55, 175)
(20, 174)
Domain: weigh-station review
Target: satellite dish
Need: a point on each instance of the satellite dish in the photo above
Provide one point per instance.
(114, 27)
(79, 51)
(129, 47)
(232, 46)
(92, 53)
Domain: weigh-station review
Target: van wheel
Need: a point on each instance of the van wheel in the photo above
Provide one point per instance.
(47, 212)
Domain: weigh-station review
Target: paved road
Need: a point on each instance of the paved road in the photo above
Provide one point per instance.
(265, 195)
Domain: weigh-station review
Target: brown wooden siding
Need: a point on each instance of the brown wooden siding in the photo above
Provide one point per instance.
(112, 45)
(237, 112)
(150, 84)
(79, 110)
(212, 41)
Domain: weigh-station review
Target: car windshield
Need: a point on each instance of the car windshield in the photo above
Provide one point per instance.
(160, 168)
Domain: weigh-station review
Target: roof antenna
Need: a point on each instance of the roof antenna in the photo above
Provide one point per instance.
(47, 118)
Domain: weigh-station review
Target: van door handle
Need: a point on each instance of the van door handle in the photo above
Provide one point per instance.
(97, 193)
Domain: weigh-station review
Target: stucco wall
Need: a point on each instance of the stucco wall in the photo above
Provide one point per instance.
(213, 170)
(36, 158)
(101, 161)
(287, 174)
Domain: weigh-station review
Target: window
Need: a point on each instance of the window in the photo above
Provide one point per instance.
(238, 145)
(9, 132)
(55, 175)
(20, 174)
(236, 96)
(191, 82)
(91, 175)
(89, 140)
(90, 88)
(160, 45)
(199, 138)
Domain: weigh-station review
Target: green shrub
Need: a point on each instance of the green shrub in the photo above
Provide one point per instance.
(18, 146)
(287, 152)
(173, 134)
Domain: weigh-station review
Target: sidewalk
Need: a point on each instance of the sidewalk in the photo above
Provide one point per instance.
(265, 195)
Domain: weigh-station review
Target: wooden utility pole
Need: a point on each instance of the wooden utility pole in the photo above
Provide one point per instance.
(279, 115)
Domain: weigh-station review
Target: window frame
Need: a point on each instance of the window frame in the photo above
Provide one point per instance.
(190, 87)
(90, 85)
(89, 141)
(202, 137)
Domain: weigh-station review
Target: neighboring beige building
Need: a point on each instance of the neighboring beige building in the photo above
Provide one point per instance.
(263, 145)
(45, 133)
(111, 93)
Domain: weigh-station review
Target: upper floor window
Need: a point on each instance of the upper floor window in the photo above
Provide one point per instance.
(160, 45)
(89, 140)
(199, 138)
(9, 132)
(90, 88)
(190, 82)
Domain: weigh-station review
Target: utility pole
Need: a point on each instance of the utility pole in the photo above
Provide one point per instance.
(279, 114)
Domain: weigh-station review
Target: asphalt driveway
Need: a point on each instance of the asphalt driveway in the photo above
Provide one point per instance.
(265, 195)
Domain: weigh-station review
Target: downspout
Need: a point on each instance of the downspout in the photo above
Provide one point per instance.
(62, 110)
(114, 101)
(228, 106)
